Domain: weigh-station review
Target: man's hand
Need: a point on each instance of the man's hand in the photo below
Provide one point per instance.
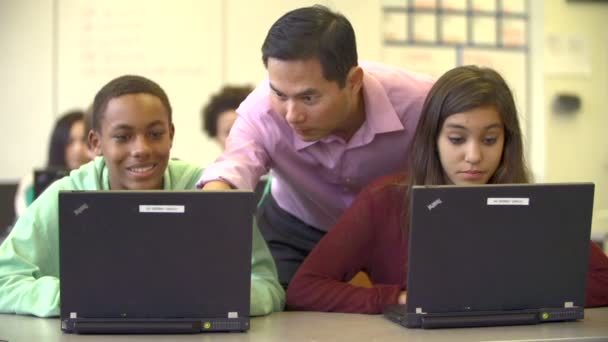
(217, 185)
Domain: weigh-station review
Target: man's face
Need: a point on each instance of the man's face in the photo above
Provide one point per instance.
(313, 106)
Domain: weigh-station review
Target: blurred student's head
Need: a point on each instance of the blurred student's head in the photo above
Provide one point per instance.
(220, 113)
(68, 148)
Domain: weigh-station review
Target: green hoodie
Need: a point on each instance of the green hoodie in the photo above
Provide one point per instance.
(29, 257)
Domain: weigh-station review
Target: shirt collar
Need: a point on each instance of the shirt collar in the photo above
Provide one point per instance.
(383, 120)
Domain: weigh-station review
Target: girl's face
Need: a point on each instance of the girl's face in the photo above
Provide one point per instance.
(76, 150)
(470, 146)
(135, 139)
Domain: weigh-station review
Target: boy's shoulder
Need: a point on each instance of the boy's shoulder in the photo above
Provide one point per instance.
(87, 177)
(179, 164)
(182, 174)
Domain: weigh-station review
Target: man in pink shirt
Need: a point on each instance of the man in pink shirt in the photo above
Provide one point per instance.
(324, 125)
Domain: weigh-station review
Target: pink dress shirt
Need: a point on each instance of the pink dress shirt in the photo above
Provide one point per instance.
(317, 181)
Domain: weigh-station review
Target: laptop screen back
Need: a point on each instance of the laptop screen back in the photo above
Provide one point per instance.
(45, 177)
(155, 254)
(493, 248)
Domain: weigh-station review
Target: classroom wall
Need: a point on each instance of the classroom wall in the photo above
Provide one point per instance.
(26, 109)
(576, 143)
(174, 44)
(60, 52)
(243, 58)
(50, 47)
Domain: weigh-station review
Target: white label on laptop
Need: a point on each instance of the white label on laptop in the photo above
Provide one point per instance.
(508, 201)
(154, 208)
(73, 315)
(233, 314)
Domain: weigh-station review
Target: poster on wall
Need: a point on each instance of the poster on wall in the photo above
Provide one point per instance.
(432, 40)
(567, 55)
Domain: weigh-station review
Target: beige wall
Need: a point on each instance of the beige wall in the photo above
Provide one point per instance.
(576, 145)
(559, 149)
(25, 85)
(43, 72)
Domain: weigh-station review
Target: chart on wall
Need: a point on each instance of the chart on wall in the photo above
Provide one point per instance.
(433, 36)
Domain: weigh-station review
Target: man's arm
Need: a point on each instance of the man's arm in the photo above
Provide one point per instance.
(248, 146)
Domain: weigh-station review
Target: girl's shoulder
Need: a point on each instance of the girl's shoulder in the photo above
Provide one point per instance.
(394, 183)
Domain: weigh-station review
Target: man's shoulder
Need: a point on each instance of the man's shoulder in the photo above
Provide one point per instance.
(390, 73)
(257, 102)
(406, 90)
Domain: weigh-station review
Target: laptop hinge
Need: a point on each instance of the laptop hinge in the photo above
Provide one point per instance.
(430, 322)
(137, 327)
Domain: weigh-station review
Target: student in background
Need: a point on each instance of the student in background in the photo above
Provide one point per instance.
(132, 132)
(468, 133)
(67, 151)
(220, 113)
(219, 116)
(323, 123)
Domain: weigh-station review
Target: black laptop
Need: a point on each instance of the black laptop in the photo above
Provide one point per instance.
(155, 261)
(496, 255)
(45, 177)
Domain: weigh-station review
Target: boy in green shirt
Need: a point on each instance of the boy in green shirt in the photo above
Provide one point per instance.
(132, 135)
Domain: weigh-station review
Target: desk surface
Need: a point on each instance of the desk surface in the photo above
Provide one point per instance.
(314, 326)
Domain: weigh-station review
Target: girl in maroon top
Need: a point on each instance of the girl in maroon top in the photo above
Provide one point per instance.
(468, 133)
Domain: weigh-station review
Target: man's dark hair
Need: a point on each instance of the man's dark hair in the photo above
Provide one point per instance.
(314, 32)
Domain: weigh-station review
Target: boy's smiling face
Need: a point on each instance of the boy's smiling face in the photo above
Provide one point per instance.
(135, 138)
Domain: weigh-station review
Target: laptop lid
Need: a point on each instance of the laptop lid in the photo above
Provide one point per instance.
(155, 261)
(497, 254)
(44, 177)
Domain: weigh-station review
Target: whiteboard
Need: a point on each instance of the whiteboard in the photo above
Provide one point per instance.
(25, 86)
(175, 45)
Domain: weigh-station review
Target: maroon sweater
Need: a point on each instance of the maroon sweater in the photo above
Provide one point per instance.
(371, 236)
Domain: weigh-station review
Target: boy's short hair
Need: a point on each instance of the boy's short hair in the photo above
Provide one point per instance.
(123, 85)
